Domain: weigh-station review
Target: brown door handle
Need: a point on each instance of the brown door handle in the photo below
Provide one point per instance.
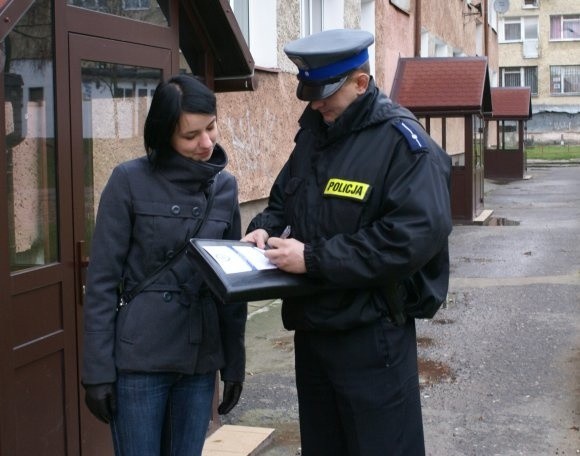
(81, 264)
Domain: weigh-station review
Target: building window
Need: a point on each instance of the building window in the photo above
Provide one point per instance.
(241, 10)
(312, 12)
(257, 22)
(565, 27)
(520, 29)
(520, 77)
(565, 80)
(318, 15)
(531, 3)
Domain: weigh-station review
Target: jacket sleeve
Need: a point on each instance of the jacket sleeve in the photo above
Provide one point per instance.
(233, 316)
(413, 226)
(109, 248)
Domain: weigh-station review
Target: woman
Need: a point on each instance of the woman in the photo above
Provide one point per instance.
(150, 364)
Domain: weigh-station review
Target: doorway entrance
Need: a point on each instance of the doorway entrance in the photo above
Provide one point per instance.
(53, 179)
(111, 86)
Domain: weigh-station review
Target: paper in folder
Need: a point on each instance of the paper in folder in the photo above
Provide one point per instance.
(239, 271)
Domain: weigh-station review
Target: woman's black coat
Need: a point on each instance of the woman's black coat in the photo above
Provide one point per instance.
(145, 215)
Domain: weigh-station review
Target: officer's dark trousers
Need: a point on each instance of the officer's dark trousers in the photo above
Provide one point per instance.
(358, 391)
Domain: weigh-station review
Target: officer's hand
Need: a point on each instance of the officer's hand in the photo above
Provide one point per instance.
(258, 237)
(287, 254)
(101, 401)
(231, 396)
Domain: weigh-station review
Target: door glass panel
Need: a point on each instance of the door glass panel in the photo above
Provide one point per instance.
(115, 102)
(150, 11)
(30, 139)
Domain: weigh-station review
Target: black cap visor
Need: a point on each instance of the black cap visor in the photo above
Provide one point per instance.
(311, 92)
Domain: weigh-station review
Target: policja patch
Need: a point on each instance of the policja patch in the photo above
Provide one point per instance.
(341, 188)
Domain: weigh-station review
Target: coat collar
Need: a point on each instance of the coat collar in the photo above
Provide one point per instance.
(194, 175)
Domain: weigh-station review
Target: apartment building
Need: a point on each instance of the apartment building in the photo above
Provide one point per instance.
(539, 47)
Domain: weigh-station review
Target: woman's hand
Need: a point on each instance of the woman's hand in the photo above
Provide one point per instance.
(259, 237)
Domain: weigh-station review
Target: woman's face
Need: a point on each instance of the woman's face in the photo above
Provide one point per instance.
(195, 135)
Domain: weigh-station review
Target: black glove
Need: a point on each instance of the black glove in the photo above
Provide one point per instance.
(101, 401)
(231, 396)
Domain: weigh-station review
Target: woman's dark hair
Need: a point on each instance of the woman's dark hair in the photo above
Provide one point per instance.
(178, 94)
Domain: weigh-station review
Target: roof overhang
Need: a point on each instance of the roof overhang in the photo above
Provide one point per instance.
(443, 86)
(513, 103)
(213, 45)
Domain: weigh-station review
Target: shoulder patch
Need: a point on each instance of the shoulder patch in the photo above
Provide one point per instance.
(412, 134)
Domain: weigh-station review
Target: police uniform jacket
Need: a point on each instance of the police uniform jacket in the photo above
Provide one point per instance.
(145, 215)
(369, 197)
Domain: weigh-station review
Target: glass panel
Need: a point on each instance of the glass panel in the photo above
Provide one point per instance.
(242, 12)
(478, 125)
(513, 31)
(531, 28)
(531, 79)
(30, 139)
(571, 27)
(555, 27)
(509, 134)
(150, 11)
(116, 100)
(512, 77)
(455, 140)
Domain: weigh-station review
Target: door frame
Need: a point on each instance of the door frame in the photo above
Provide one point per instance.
(83, 47)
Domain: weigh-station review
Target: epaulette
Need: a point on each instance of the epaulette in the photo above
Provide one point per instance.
(413, 135)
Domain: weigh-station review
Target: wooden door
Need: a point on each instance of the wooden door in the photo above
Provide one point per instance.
(38, 352)
(111, 85)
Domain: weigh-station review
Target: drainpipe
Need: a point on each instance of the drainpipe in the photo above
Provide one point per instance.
(485, 28)
(417, 28)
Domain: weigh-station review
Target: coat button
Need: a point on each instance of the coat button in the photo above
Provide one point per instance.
(196, 211)
(167, 296)
(169, 254)
(175, 210)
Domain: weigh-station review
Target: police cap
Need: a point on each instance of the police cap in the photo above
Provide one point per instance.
(324, 59)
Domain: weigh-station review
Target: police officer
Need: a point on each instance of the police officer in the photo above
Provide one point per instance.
(366, 193)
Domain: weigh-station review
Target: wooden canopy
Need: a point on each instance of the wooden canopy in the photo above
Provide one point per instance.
(443, 85)
(511, 103)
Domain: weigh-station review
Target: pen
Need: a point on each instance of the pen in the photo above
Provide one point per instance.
(284, 235)
(286, 232)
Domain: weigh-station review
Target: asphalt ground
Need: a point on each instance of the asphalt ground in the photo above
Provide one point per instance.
(500, 363)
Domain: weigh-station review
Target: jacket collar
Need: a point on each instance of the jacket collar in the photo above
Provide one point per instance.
(194, 175)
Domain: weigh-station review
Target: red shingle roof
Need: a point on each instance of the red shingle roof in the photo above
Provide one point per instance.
(443, 85)
(511, 102)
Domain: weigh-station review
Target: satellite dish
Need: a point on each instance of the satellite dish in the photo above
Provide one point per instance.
(501, 6)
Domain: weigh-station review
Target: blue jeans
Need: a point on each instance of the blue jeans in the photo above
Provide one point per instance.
(162, 414)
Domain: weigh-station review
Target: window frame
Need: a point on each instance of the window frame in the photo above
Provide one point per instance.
(257, 22)
(524, 74)
(328, 14)
(529, 4)
(563, 18)
(562, 80)
(523, 23)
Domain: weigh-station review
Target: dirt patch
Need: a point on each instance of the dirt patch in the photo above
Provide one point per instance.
(285, 343)
(434, 372)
